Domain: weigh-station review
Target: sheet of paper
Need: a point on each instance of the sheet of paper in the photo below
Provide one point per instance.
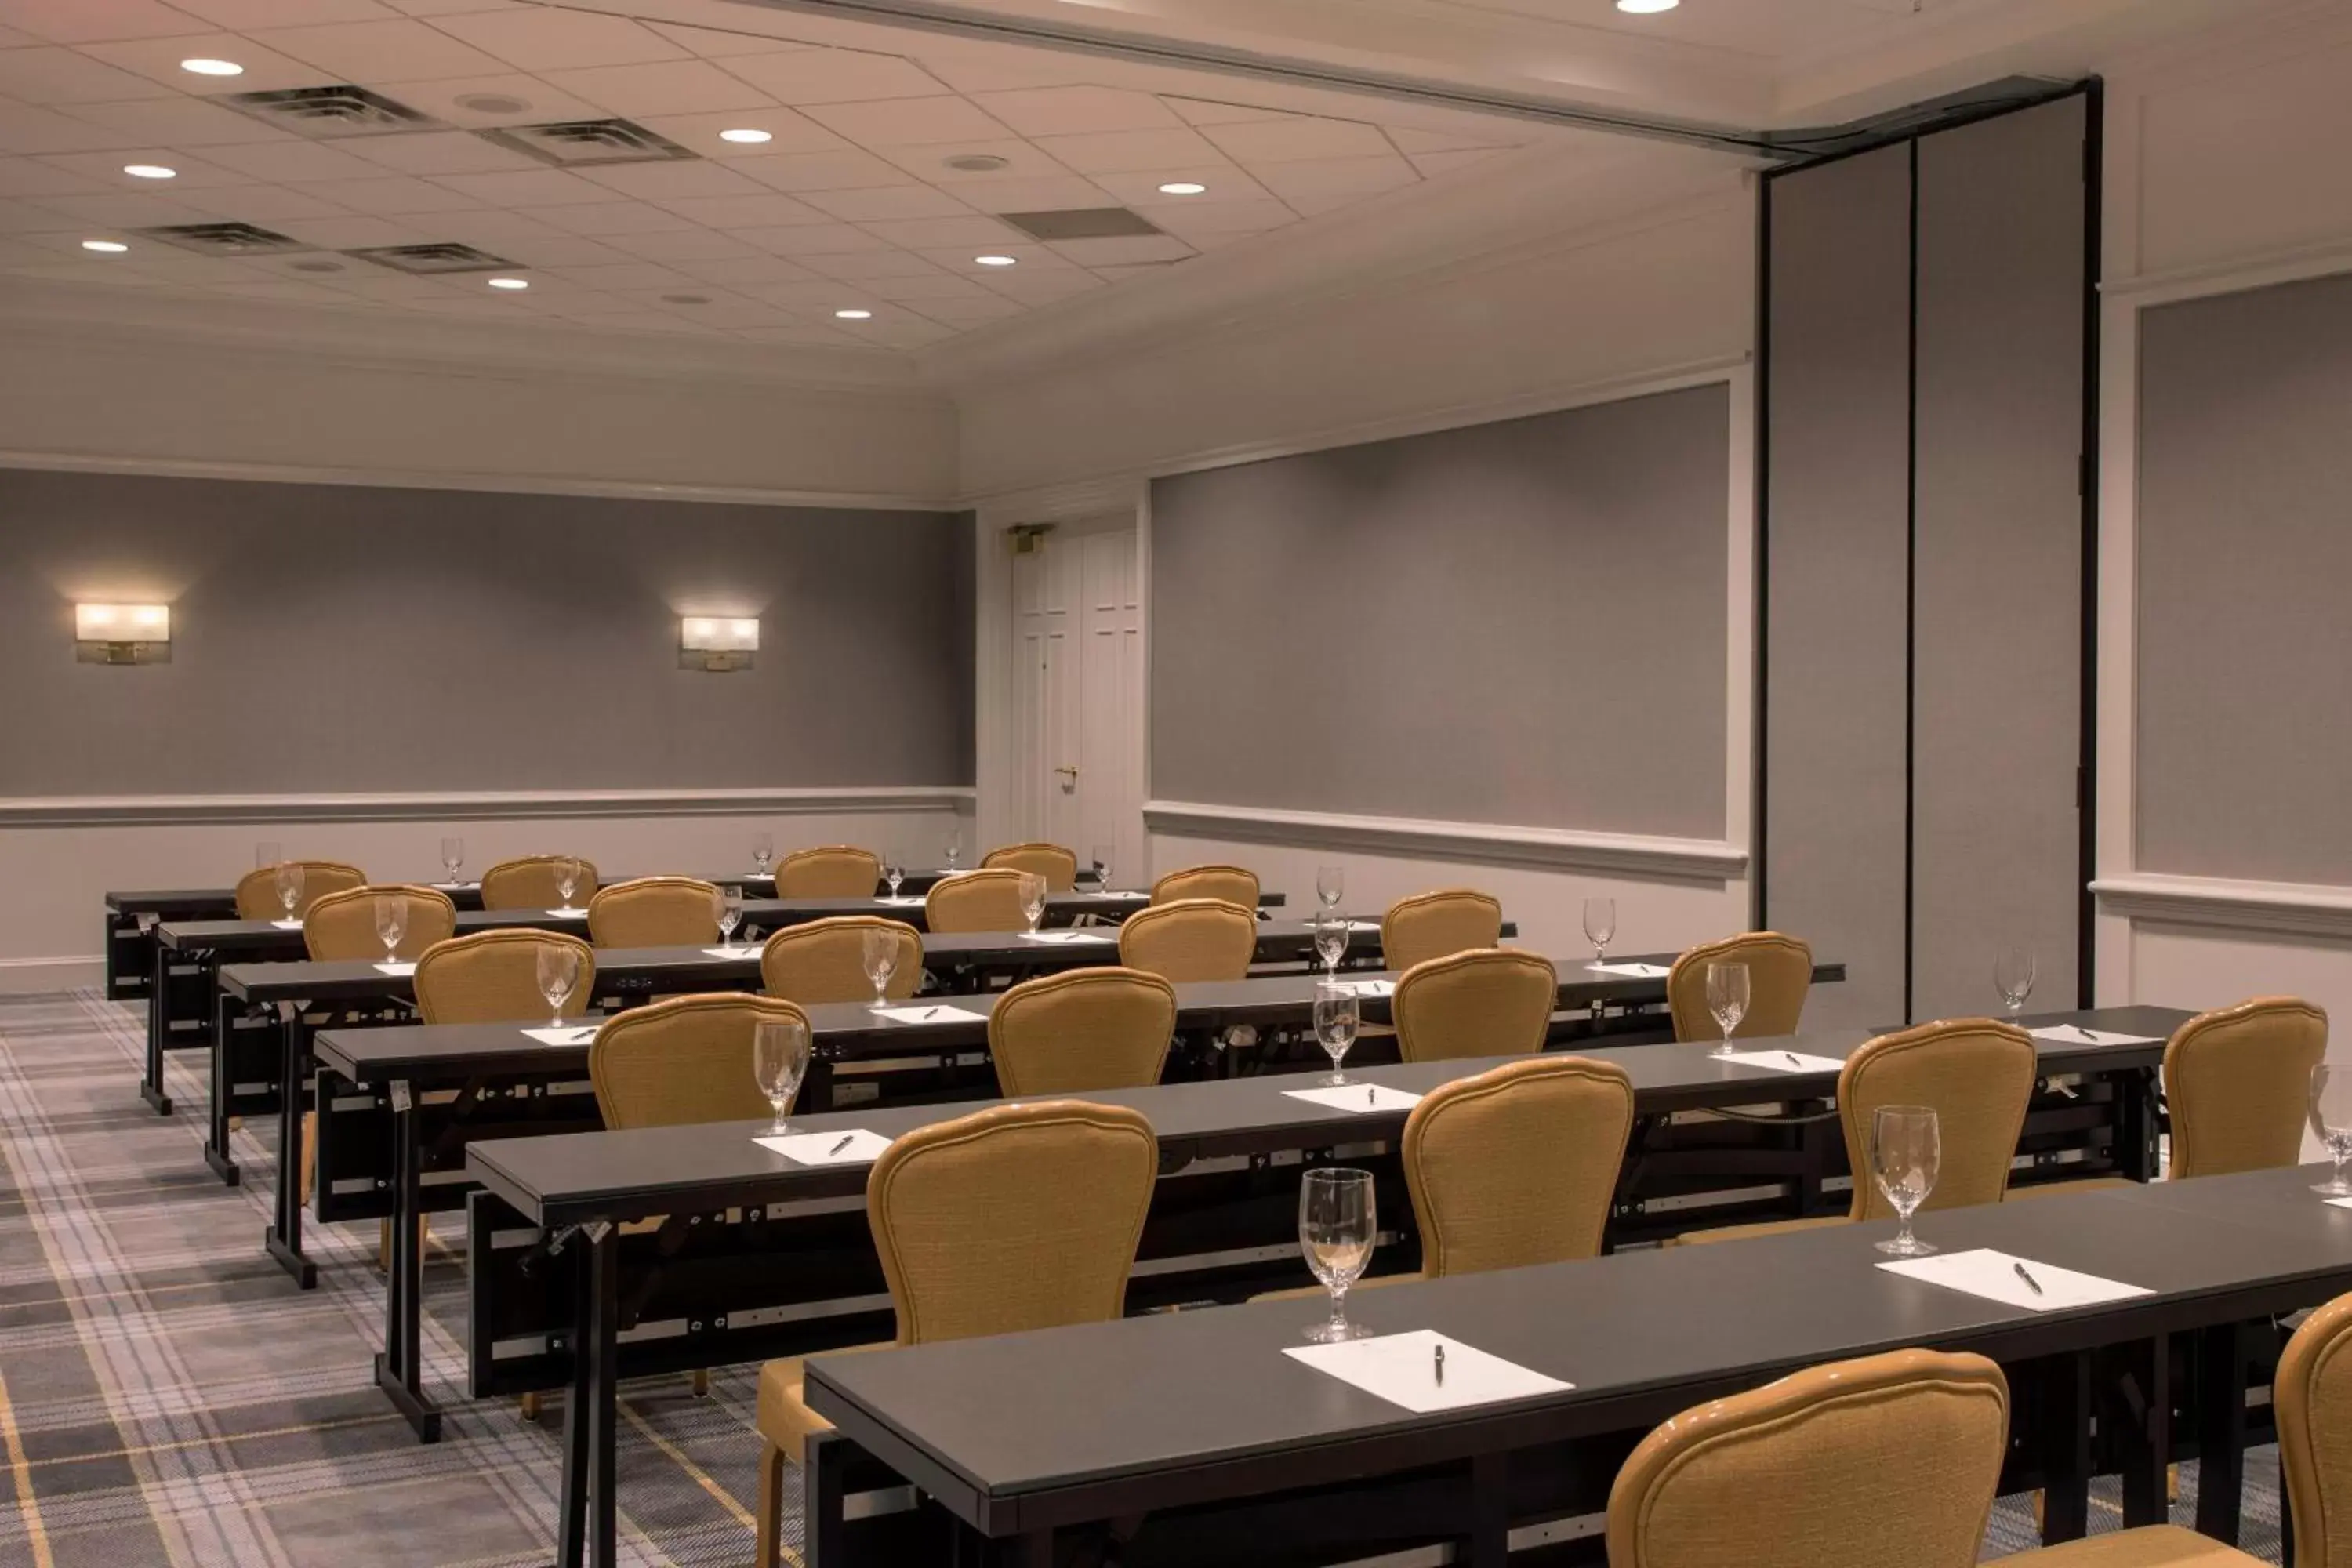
(1369, 987)
(931, 1014)
(1359, 1096)
(568, 913)
(1982, 1271)
(854, 1148)
(740, 950)
(2075, 1035)
(408, 967)
(1404, 1369)
(456, 887)
(2340, 1203)
(901, 900)
(1063, 938)
(1784, 1061)
(1631, 971)
(1363, 925)
(288, 925)
(571, 1035)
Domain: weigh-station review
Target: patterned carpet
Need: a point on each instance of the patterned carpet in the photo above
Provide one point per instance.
(167, 1397)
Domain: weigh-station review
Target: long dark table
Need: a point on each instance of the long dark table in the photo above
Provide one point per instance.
(1230, 1451)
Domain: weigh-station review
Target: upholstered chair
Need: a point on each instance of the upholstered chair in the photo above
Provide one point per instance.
(683, 1059)
(1059, 866)
(529, 882)
(654, 911)
(1780, 973)
(1081, 1030)
(836, 872)
(1484, 1001)
(824, 961)
(1517, 1166)
(257, 890)
(1192, 939)
(976, 902)
(492, 977)
(342, 925)
(2238, 1083)
(1230, 883)
(1432, 925)
(2311, 1398)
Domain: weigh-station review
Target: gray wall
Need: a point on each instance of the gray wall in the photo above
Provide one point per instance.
(2244, 732)
(1518, 623)
(330, 638)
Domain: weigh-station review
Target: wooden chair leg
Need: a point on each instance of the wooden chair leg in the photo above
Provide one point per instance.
(383, 1246)
(701, 1382)
(771, 1526)
(309, 1153)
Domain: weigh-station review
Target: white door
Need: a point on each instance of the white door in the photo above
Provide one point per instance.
(1078, 633)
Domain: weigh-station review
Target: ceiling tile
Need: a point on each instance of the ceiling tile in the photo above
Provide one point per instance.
(546, 39)
(1055, 110)
(899, 290)
(82, 21)
(439, 96)
(802, 239)
(392, 195)
(598, 219)
(1027, 255)
(1433, 164)
(266, 204)
(1202, 112)
(1192, 220)
(438, 152)
(495, 230)
(1111, 151)
(969, 233)
(718, 307)
(51, 76)
(292, 160)
(1287, 140)
(929, 161)
(287, 290)
(681, 245)
(106, 168)
(1041, 287)
(787, 131)
(382, 51)
(455, 7)
(887, 201)
(1410, 139)
(900, 329)
(668, 87)
(834, 76)
(1063, 195)
(158, 60)
(122, 210)
(972, 312)
(846, 170)
(998, 69)
(1125, 251)
(733, 271)
(909, 122)
(356, 233)
(24, 129)
(557, 250)
(1317, 186)
(32, 177)
(17, 216)
(713, 44)
(178, 122)
(872, 264)
(768, 209)
(524, 188)
(365, 280)
(244, 14)
(674, 180)
(821, 295)
(1142, 187)
(640, 321)
(631, 275)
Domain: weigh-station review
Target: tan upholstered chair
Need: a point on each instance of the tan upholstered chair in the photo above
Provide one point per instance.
(2311, 1396)
(1081, 1030)
(1230, 883)
(686, 1058)
(342, 925)
(1485, 1002)
(654, 911)
(257, 890)
(824, 961)
(1517, 1166)
(1021, 1216)
(838, 871)
(1890, 1459)
(1977, 1074)
(492, 977)
(1780, 973)
(1059, 866)
(1432, 925)
(2238, 1082)
(529, 883)
(976, 902)
(1193, 939)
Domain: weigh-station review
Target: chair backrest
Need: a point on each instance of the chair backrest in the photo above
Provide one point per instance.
(528, 882)
(977, 900)
(257, 890)
(492, 977)
(654, 911)
(1432, 925)
(1485, 1002)
(1230, 883)
(1780, 973)
(1193, 939)
(1020, 1217)
(836, 871)
(1081, 1030)
(824, 961)
(2311, 1398)
(1517, 1166)
(1059, 866)
(1888, 1459)
(2238, 1082)
(685, 1059)
(342, 925)
(1976, 1074)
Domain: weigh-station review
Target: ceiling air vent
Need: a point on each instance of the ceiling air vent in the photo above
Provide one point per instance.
(1081, 223)
(579, 143)
(225, 239)
(339, 111)
(442, 255)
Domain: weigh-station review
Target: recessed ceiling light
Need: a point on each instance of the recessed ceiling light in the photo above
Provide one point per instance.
(149, 172)
(746, 133)
(1647, 7)
(107, 247)
(1183, 188)
(855, 315)
(213, 68)
(509, 282)
(996, 261)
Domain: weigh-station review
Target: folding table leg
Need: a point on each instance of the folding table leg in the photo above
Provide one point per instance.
(217, 1153)
(573, 1509)
(2066, 1459)
(159, 1026)
(284, 1239)
(2147, 1433)
(399, 1371)
(2221, 1430)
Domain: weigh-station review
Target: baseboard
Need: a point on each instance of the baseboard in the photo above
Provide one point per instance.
(1706, 860)
(22, 975)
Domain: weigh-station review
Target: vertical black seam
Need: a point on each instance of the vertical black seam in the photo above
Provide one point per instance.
(1911, 597)
(1760, 545)
(2094, 267)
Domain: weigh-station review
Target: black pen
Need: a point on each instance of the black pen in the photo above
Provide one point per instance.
(1437, 1361)
(837, 1148)
(1793, 1058)
(1371, 1097)
(2030, 1283)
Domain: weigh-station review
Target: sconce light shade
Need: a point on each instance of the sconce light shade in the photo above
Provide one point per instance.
(718, 642)
(123, 634)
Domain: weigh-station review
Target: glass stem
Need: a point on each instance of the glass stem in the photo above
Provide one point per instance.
(1338, 1310)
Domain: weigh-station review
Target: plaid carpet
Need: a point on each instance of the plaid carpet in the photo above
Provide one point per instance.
(168, 1397)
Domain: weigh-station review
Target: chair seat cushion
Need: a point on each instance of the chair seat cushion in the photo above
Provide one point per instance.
(783, 1419)
(2155, 1546)
(1763, 1227)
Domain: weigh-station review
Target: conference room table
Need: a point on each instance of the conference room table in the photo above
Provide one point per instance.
(712, 1285)
(1198, 1427)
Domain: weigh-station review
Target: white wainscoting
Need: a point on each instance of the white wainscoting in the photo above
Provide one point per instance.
(59, 859)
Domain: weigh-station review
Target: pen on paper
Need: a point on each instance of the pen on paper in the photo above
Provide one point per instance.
(1794, 1059)
(2030, 1283)
(1437, 1361)
(837, 1148)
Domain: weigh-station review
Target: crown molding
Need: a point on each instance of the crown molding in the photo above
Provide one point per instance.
(2279, 909)
(1707, 860)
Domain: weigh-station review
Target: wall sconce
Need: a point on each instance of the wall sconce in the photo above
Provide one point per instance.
(717, 642)
(123, 634)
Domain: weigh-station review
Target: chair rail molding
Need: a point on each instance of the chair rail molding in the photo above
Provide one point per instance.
(86, 811)
(2287, 909)
(1680, 860)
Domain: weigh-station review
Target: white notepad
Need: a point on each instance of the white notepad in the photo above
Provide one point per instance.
(288, 925)
(898, 900)
(1981, 1271)
(1063, 938)
(1631, 971)
(1363, 925)
(930, 1014)
(568, 913)
(570, 1034)
(2075, 1035)
(1784, 1061)
(456, 887)
(857, 1148)
(1402, 1370)
(406, 966)
(740, 950)
(2339, 1203)
(1359, 1096)
(1368, 987)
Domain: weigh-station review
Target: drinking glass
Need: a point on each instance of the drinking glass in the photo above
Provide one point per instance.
(269, 852)
(391, 923)
(452, 855)
(567, 878)
(2012, 976)
(1033, 897)
(2331, 1118)
(1331, 941)
(559, 972)
(894, 871)
(1727, 998)
(1336, 1231)
(727, 907)
(1335, 1018)
(1101, 854)
(779, 1060)
(763, 849)
(954, 846)
(1330, 885)
(1906, 1147)
(1599, 927)
(289, 885)
(881, 963)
